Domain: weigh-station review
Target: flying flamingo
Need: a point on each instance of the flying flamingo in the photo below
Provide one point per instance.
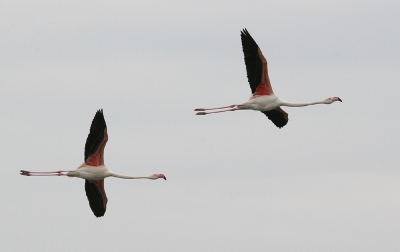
(263, 98)
(93, 169)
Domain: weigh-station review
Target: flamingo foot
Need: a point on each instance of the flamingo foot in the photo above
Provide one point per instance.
(51, 173)
(203, 109)
(26, 173)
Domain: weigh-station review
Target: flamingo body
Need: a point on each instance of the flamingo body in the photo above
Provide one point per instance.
(93, 169)
(263, 98)
(261, 103)
(90, 172)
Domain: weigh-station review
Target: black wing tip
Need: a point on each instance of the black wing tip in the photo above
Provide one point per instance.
(248, 39)
(244, 31)
(99, 113)
(98, 215)
(280, 126)
(282, 123)
(276, 117)
(98, 119)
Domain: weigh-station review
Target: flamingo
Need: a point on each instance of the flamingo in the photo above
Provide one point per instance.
(93, 170)
(263, 98)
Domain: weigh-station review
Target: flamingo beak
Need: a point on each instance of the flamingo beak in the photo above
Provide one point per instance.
(161, 176)
(339, 99)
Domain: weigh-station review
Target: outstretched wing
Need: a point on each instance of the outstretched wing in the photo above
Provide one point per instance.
(279, 117)
(96, 140)
(256, 66)
(96, 196)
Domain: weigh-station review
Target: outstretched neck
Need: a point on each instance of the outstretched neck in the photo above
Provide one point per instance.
(126, 177)
(291, 104)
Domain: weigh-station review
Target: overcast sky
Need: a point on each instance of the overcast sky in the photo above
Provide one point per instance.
(328, 181)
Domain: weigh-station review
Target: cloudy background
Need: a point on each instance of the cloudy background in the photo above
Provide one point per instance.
(328, 181)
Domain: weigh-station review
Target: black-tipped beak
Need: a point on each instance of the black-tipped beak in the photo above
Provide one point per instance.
(165, 178)
(339, 99)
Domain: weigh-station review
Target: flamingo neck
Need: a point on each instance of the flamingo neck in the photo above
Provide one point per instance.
(291, 104)
(126, 177)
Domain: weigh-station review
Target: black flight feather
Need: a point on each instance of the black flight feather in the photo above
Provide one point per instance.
(252, 60)
(96, 134)
(276, 117)
(95, 198)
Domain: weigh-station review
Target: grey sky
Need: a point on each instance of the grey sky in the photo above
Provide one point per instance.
(328, 181)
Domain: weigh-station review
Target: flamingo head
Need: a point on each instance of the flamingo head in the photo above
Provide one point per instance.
(157, 176)
(332, 99)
